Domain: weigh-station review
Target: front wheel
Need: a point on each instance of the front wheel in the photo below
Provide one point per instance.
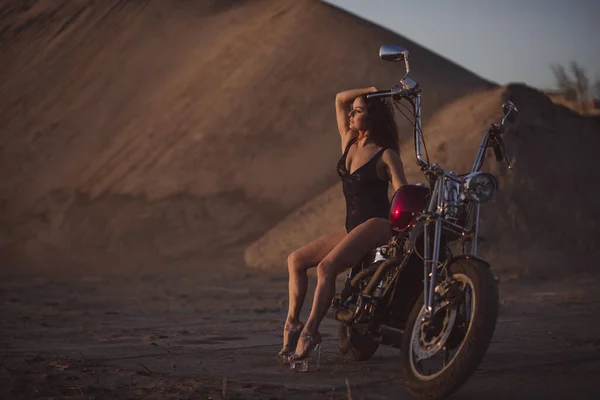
(440, 355)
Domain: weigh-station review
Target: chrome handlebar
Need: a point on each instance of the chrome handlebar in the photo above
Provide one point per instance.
(409, 89)
(396, 92)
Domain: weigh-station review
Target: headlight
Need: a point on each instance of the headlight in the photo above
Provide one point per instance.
(480, 187)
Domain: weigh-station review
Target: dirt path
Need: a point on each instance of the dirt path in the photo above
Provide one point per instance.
(158, 337)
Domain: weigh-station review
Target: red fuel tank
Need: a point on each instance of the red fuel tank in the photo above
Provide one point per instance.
(406, 203)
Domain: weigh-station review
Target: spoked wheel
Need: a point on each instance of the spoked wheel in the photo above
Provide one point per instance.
(441, 354)
(430, 352)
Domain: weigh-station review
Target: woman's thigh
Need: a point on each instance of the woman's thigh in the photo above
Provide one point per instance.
(353, 247)
(311, 254)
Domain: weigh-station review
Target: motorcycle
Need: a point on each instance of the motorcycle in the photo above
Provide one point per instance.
(413, 293)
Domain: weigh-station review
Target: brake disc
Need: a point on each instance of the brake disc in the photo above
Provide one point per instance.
(425, 348)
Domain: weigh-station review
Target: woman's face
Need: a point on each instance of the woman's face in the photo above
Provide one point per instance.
(359, 115)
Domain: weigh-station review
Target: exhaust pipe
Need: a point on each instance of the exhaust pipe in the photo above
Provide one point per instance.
(391, 336)
(340, 315)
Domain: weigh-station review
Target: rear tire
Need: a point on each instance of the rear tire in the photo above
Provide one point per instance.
(355, 345)
(473, 346)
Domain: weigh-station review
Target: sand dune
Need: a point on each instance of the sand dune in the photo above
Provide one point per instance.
(544, 214)
(141, 133)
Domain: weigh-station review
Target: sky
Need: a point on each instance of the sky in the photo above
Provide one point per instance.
(503, 41)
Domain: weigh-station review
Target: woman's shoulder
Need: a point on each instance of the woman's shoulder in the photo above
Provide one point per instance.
(389, 152)
(390, 155)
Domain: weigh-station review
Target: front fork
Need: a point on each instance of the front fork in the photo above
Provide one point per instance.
(431, 260)
(442, 205)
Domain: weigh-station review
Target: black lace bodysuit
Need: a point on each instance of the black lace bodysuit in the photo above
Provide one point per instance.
(366, 194)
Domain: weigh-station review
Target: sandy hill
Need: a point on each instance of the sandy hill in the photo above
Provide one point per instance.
(589, 107)
(145, 133)
(545, 215)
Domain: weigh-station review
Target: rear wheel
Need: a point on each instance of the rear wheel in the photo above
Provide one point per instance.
(440, 355)
(355, 343)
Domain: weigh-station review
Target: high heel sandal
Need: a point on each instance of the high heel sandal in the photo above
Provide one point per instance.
(299, 362)
(290, 341)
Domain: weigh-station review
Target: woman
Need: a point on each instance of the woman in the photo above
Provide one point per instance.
(369, 144)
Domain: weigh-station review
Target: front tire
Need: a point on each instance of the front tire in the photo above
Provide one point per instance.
(471, 345)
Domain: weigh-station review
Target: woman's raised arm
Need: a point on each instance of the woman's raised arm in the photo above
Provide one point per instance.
(343, 106)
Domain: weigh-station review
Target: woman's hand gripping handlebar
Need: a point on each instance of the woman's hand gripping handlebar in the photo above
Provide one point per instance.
(396, 91)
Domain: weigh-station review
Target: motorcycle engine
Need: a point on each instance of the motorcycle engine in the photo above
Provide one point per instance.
(378, 254)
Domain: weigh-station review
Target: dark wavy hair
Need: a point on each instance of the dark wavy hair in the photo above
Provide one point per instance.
(382, 125)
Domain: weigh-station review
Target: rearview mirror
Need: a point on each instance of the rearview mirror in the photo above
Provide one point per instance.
(390, 52)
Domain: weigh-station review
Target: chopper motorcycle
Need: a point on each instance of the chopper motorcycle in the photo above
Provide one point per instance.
(413, 293)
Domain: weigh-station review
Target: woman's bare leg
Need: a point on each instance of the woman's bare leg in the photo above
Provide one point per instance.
(299, 261)
(368, 235)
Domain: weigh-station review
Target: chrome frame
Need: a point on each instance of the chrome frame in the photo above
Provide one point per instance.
(419, 139)
(441, 212)
(445, 200)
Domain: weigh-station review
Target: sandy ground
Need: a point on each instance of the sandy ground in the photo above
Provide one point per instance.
(185, 336)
